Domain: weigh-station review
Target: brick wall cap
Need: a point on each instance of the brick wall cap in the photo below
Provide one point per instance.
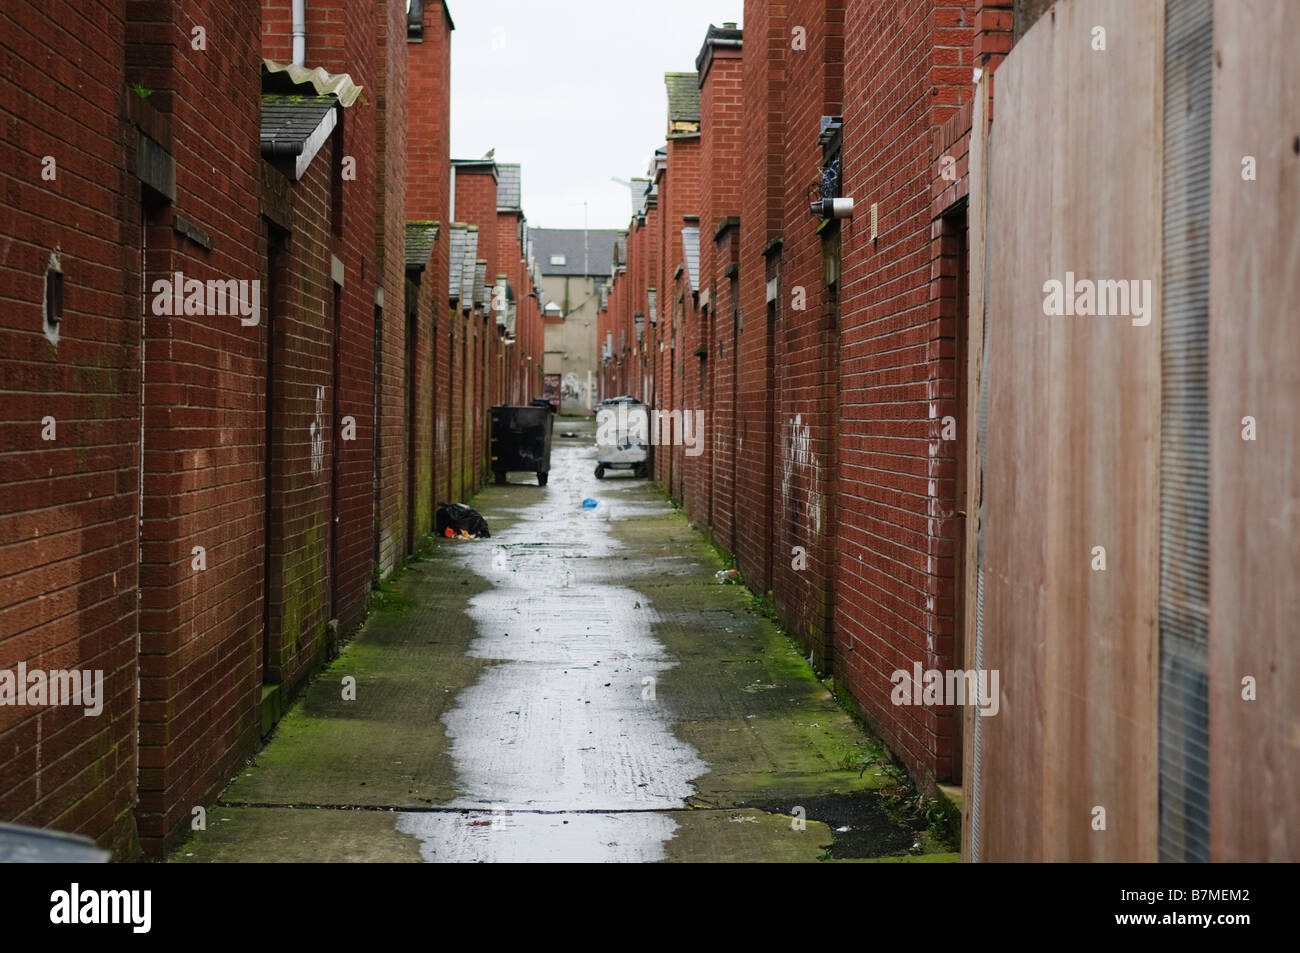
(723, 37)
(476, 167)
(731, 221)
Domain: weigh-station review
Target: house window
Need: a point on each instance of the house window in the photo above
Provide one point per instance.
(830, 182)
(558, 260)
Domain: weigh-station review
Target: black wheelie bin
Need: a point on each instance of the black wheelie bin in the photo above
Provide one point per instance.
(521, 440)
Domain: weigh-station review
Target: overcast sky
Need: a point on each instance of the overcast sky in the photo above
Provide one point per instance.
(573, 90)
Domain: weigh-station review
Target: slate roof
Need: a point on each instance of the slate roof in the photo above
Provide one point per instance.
(640, 192)
(691, 251)
(482, 290)
(683, 99)
(288, 120)
(467, 273)
(509, 187)
(569, 243)
(420, 238)
(458, 237)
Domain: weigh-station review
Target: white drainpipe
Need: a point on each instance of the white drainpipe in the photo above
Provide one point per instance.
(300, 32)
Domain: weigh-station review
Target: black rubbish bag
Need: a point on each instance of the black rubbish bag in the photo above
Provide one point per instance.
(457, 517)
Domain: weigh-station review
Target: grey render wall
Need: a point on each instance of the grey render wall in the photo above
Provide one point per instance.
(572, 350)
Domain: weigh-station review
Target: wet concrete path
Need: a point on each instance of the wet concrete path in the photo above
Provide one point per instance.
(577, 688)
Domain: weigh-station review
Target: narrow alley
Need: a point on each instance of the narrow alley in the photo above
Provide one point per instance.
(578, 687)
(883, 411)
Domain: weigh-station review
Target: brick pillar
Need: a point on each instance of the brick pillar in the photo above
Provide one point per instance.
(994, 21)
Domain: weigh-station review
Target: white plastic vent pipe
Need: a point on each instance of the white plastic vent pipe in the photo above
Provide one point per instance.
(300, 32)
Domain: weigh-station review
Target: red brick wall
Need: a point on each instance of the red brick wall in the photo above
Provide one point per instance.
(388, 275)
(356, 339)
(428, 133)
(467, 404)
(427, 199)
(341, 38)
(635, 279)
(510, 262)
(70, 544)
(68, 506)
(277, 30)
(679, 196)
(767, 44)
(476, 204)
(654, 277)
(605, 366)
(720, 192)
(428, 196)
(806, 341)
(652, 274)
(301, 434)
(457, 333)
(623, 286)
(441, 362)
(897, 528)
(204, 422)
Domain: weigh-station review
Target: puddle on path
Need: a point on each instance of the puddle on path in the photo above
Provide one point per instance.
(567, 721)
(539, 838)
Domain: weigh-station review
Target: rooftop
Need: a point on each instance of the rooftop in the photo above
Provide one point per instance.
(561, 251)
(509, 187)
(726, 35)
(420, 238)
(683, 103)
(691, 251)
